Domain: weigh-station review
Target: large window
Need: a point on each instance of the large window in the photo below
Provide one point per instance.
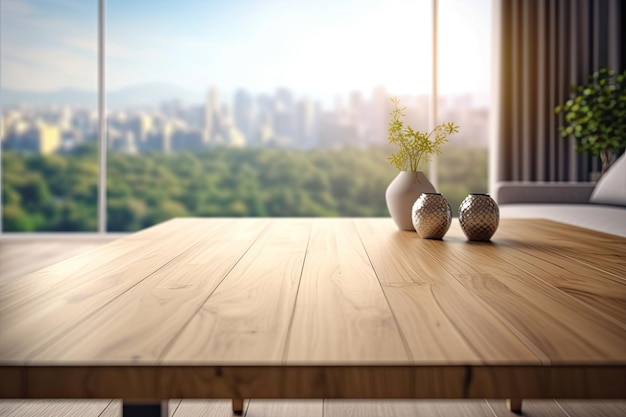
(48, 67)
(464, 78)
(272, 108)
(239, 108)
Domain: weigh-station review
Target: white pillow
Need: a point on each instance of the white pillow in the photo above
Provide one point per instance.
(611, 188)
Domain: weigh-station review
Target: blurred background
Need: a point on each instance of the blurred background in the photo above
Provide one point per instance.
(238, 108)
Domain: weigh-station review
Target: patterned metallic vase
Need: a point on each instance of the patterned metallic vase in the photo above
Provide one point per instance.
(479, 216)
(432, 216)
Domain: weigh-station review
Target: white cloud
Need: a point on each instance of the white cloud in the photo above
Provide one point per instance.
(38, 68)
(42, 50)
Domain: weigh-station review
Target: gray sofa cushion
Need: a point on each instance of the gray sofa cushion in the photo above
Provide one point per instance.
(517, 192)
(611, 188)
(600, 207)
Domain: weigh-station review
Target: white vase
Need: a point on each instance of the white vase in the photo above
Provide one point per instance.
(402, 192)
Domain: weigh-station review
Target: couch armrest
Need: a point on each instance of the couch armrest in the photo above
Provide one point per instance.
(514, 192)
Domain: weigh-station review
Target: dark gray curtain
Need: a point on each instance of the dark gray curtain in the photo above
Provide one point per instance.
(546, 46)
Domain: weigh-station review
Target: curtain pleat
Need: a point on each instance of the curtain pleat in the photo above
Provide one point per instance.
(547, 46)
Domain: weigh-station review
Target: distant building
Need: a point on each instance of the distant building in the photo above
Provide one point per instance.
(307, 121)
(172, 109)
(245, 113)
(335, 131)
(378, 116)
(48, 138)
(285, 118)
(161, 139)
(188, 140)
(141, 126)
(211, 116)
(40, 138)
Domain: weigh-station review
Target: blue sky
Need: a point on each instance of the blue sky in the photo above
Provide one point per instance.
(319, 47)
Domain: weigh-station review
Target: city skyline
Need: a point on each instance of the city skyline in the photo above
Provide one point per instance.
(252, 120)
(316, 48)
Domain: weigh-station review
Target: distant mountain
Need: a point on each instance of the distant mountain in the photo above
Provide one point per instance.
(66, 96)
(152, 94)
(138, 95)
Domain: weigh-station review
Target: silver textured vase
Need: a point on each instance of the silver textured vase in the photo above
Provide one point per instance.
(432, 216)
(479, 216)
(402, 192)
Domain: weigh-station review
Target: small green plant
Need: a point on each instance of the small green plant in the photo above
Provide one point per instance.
(595, 115)
(415, 146)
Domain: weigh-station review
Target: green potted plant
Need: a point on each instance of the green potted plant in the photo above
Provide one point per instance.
(595, 116)
(414, 147)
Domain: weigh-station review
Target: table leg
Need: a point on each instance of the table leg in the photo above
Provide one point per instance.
(514, 405)
(238, 406)
(145, 409)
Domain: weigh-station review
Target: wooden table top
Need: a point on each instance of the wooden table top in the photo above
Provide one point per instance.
(321, 292)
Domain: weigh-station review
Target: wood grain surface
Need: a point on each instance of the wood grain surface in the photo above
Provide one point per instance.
(340, 308)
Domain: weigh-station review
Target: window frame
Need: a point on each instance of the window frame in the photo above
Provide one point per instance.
(103, 137)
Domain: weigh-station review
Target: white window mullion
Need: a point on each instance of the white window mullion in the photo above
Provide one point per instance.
(432, 174)
(102, 138)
